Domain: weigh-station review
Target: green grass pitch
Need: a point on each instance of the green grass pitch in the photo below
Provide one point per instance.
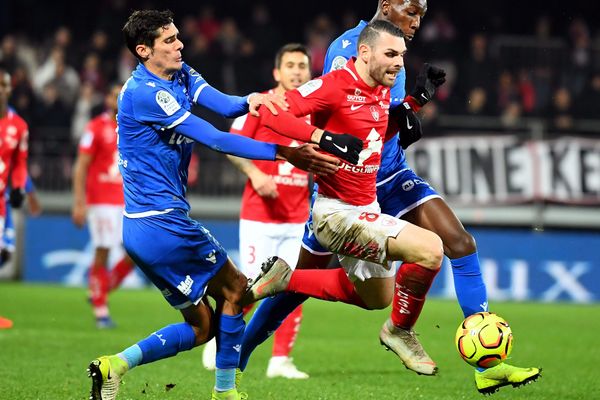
(45, 355)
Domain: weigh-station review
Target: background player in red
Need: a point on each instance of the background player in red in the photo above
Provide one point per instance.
(13, 158)
(98, 195)
(274, 207)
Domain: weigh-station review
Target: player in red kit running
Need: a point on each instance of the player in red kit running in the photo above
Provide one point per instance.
(98, 195)
(13, 159)
(274, 207)
(346, 216)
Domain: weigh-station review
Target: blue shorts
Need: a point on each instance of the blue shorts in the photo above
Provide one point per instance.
(402, 192)
(176, 253)
(396, 195)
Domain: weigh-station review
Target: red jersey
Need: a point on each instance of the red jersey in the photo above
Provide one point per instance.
(14, 134)
(104, 184)
(292, 183)
(341, 102)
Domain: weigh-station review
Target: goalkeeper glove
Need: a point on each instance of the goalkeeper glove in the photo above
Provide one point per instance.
(16, 197)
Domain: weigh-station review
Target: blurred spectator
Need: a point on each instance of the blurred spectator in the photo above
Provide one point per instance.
(507, 93)
(89, 99)
(208, 25)
(477, 102)
(526, 92)
(478, 69)
(561, 112)
(62, 76)
(511, 115)
(439, 34)
(318, 37)
(22, 98)
(91, 72)
(588, 104)
(125, 64)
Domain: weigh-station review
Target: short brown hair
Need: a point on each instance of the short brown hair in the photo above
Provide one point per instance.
(290, 48)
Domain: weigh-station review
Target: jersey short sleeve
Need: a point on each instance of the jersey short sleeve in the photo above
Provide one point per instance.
(87, 143)
(158, 106)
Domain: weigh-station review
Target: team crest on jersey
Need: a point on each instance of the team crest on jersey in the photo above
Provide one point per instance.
(338, 63)
(167, 102)
(374, 113)
(310, 87)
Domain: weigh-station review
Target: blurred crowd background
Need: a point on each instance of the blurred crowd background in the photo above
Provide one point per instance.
(506, 69)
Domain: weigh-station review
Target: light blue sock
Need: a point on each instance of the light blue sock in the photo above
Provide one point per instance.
(166, 342)
(132, 356)
(468, 284)
(229, 346)
(225, 379)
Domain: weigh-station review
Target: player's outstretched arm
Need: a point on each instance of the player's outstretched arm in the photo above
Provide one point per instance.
(203, 132)
(342, 145)
(306, 157)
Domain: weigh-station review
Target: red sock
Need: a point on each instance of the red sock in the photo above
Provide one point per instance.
(119, 272)
(412, 284)
(286, 334)
(325, 284)
(98, 285)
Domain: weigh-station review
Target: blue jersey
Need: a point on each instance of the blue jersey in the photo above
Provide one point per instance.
(340, 51)
(153, 159)
(156, 132)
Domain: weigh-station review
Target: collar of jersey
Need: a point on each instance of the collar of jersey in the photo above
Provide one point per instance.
(145, 71)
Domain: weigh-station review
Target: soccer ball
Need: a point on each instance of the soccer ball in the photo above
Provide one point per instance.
(484, 339)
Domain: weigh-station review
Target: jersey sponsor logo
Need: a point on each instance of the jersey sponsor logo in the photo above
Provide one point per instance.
(356, 98)
(151, 84)
(310, 87)
(345, 43)
(338, 63)
(185, 286)
(355, 107)
(167, 102)
(374, 113)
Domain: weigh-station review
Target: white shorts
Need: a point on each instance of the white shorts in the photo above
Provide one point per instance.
(261, 240)
(358, 234)
(105, 225)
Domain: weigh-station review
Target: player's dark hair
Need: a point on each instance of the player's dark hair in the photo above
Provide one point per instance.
(143, 26)
(290, 48)
(373, 29)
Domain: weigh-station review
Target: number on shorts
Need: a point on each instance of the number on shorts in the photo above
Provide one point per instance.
(369, 217)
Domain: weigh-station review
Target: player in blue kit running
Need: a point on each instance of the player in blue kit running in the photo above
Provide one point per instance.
(156, 132)
(403, 194)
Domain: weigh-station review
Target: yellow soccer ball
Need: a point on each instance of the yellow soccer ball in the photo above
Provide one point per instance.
(484, 339)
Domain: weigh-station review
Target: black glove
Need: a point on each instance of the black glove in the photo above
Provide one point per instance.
(342, 145)
(4, 257)
(409, 125)
(16, 198)
(428, 80)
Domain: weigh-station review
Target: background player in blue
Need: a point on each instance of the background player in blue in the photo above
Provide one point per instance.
(401, 193)
(155, 135)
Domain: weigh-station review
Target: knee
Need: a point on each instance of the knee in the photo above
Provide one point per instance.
(460, 244)
(432, 253)
(378, 302)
